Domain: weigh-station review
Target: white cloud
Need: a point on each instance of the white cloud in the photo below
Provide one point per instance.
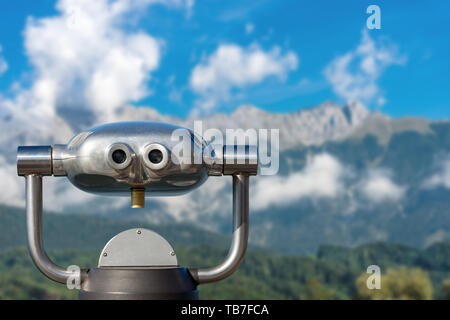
(249, 28)
(86, 65)
(11, 185)
(440, 178)
(215, 195)
(354, 75)
(83, 53)
(323, 176)
(3, 63)
(232, 66)
(59, 195)
(378, 186)
(85, 59)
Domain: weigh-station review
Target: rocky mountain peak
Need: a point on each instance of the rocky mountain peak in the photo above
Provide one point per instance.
(307, 126)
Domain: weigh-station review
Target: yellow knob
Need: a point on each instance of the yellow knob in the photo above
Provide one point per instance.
(137, 198)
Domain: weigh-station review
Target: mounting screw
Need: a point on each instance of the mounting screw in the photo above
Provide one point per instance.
(172, 253)
(138, 232)
(105, 254)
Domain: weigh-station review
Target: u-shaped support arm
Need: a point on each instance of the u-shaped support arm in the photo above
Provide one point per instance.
(34, 162)
(240, 235)
(203, 275)
(34, 232)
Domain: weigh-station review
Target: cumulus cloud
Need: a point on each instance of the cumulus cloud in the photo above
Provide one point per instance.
(232, 66)
(11, 185)
(322, 177)
(442, 177)
(355, 74)
(378, 186)
(215, 195)
(325, 177)
(3, 63)
(86, 65)
(82, 57)
(85, 59)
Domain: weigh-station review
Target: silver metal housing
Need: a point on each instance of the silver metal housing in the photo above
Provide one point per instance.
(34, 235)
(239, 241)
(138, 247)
(87, 160)
(240, 159)
(34, 160)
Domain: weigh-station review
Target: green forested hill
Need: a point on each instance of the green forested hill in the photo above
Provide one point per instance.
(420, 218)
(332, 274)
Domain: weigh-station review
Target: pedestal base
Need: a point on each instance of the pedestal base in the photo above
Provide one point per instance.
(115, 283)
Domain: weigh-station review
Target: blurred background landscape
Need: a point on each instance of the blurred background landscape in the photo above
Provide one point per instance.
(332, 272)
(364, 163)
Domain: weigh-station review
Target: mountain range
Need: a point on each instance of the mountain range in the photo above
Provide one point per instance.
(347, 176)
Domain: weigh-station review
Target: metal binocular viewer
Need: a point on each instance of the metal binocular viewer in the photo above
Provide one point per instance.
(137, 159)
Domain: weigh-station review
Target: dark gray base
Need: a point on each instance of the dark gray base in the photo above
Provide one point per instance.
(138, 284)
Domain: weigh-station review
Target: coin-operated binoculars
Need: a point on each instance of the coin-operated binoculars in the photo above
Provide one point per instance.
(137, 159)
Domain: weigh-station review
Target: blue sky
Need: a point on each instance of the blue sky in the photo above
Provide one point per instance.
(413, 80)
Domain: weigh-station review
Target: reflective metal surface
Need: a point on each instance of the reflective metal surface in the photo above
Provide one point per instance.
(240, 159)
(138, 247)
(138, 158)
(34, 160)
(34, 232)
(137, 198)
(90, 162)
(139, 284)
(240, 236)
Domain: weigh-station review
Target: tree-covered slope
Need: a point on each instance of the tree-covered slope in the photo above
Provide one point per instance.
(419, 216)
(332, 274)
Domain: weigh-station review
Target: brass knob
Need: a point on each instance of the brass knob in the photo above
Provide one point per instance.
(137, 198)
